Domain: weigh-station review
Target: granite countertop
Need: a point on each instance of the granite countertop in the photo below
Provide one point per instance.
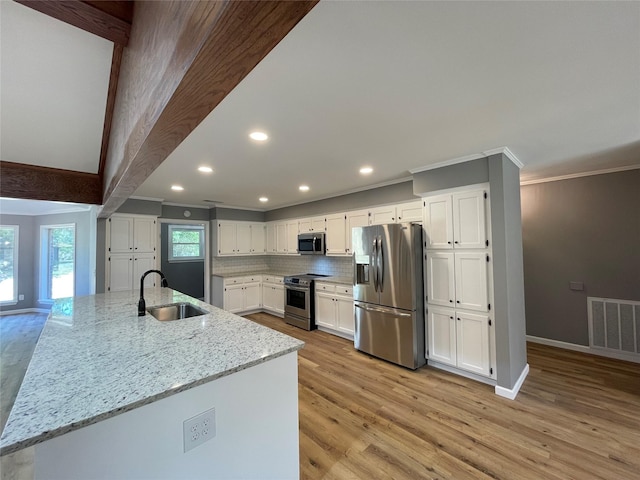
(330, 279)
(338, 280)
(96, 359)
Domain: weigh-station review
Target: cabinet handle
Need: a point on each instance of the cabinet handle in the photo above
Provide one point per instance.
(456, 242)
(458, 318)
(450, 301)
(449, 243)
(457, 301)
(451, 318)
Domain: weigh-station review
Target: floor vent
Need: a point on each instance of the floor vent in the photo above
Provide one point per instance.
(614, 325)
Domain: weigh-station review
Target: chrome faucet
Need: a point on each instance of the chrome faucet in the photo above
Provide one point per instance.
(142, 307)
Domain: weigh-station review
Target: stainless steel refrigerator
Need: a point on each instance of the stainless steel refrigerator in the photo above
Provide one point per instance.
(388, 292)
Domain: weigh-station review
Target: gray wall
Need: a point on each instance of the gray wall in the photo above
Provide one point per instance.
(186, 277)
(141, 207)
(399, 192)
(585, 230)
(27, 259)
(29, 254)
(173, 211)
(508, 311)
(221, 213)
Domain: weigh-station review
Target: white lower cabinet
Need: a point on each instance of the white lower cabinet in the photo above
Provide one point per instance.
(273, 295)
(460, 339)
(334, 308)
(237, 294)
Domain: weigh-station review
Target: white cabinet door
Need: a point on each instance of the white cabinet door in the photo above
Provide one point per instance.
(258, 245)
(471, 281)
(438, 222)
(271, 238)
(252, 296)
(278, 299)
(382, 215)
(318, 224)
(243, 239)
(325, 310)
(336, 237)
(359, 218)
(281, 237)
(120, 272)
(409, 212)
(234, 298)
(304, 225)
(292, 237)
(469, 219)
(145, 234)
(345, 321)
(226, 238)
(440, 279)
(473, 343)
(441, 335)
(143, 262)
(267, 296)
(120, 234)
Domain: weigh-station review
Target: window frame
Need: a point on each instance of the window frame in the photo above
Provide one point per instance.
(170, 229)
(16, 243)
(43, 270)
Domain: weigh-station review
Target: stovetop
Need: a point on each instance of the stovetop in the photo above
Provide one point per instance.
(302, 279)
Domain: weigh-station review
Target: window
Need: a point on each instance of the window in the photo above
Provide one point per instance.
(186, 243)
(8, 264)
(57, 261)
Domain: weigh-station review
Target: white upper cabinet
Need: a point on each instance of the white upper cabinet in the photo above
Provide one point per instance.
(238, 238)
(121, 234)
(438, 222)
(336, 239)
(456, 220)
(132, 233)
(292, 237)
(469, 219)
(313, 224)
(357, 218)
(382, 215)
(272, 246)
(409, 212)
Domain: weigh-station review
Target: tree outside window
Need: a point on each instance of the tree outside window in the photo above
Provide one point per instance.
(186, 243)
(58, 262)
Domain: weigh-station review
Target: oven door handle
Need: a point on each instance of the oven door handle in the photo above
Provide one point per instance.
(297, 289)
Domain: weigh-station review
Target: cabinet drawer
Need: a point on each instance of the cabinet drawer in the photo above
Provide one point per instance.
(325, 287)
(253, 278)
(344, 290)
(233, 280)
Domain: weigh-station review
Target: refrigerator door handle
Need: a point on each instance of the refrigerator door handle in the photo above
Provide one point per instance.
(374, 262)
(382, 310)
(380, 264)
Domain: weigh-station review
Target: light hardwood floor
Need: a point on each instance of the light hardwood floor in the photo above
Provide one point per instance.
(576, 417)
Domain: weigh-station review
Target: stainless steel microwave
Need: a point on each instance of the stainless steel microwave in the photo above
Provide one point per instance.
(311, 243)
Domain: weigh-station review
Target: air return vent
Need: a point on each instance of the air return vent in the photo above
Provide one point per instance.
(614, 325)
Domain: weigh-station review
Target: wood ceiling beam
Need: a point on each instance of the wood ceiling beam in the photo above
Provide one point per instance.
(110, 20)
(116, 61)
(220, 44)
(18, 180)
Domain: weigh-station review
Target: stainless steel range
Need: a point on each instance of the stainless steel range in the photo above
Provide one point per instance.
(299, 304)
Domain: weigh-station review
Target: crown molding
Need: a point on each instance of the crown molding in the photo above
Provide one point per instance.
(147, 199)
(507, 153)
(581, 174)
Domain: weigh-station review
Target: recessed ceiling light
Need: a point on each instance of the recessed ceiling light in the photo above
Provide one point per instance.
(304, 188)
(366, 170)
(205, 169)
(263, 199)
(258, 136)
(177, 188)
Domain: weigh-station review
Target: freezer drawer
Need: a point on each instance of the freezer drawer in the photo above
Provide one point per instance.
(392, 334)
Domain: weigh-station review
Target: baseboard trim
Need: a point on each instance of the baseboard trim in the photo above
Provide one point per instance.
(462, 373)
(23, 310)
(582, 348)
(511, 393)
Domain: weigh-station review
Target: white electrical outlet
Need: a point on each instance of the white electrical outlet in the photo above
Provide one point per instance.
(199, 429)
(20, 297)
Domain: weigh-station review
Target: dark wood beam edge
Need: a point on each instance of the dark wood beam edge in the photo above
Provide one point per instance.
(18, 180)
(245, 32)
(88, 17)
(116, 61)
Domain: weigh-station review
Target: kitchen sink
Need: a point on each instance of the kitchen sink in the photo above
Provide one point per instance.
(176, 311)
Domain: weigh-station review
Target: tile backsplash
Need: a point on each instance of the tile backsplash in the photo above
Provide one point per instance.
(324, 265)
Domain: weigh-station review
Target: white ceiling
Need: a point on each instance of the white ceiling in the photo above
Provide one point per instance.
(19, 206)
(394, 85)
(53, 90)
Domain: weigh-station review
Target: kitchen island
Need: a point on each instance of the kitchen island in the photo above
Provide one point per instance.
(107, 392)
